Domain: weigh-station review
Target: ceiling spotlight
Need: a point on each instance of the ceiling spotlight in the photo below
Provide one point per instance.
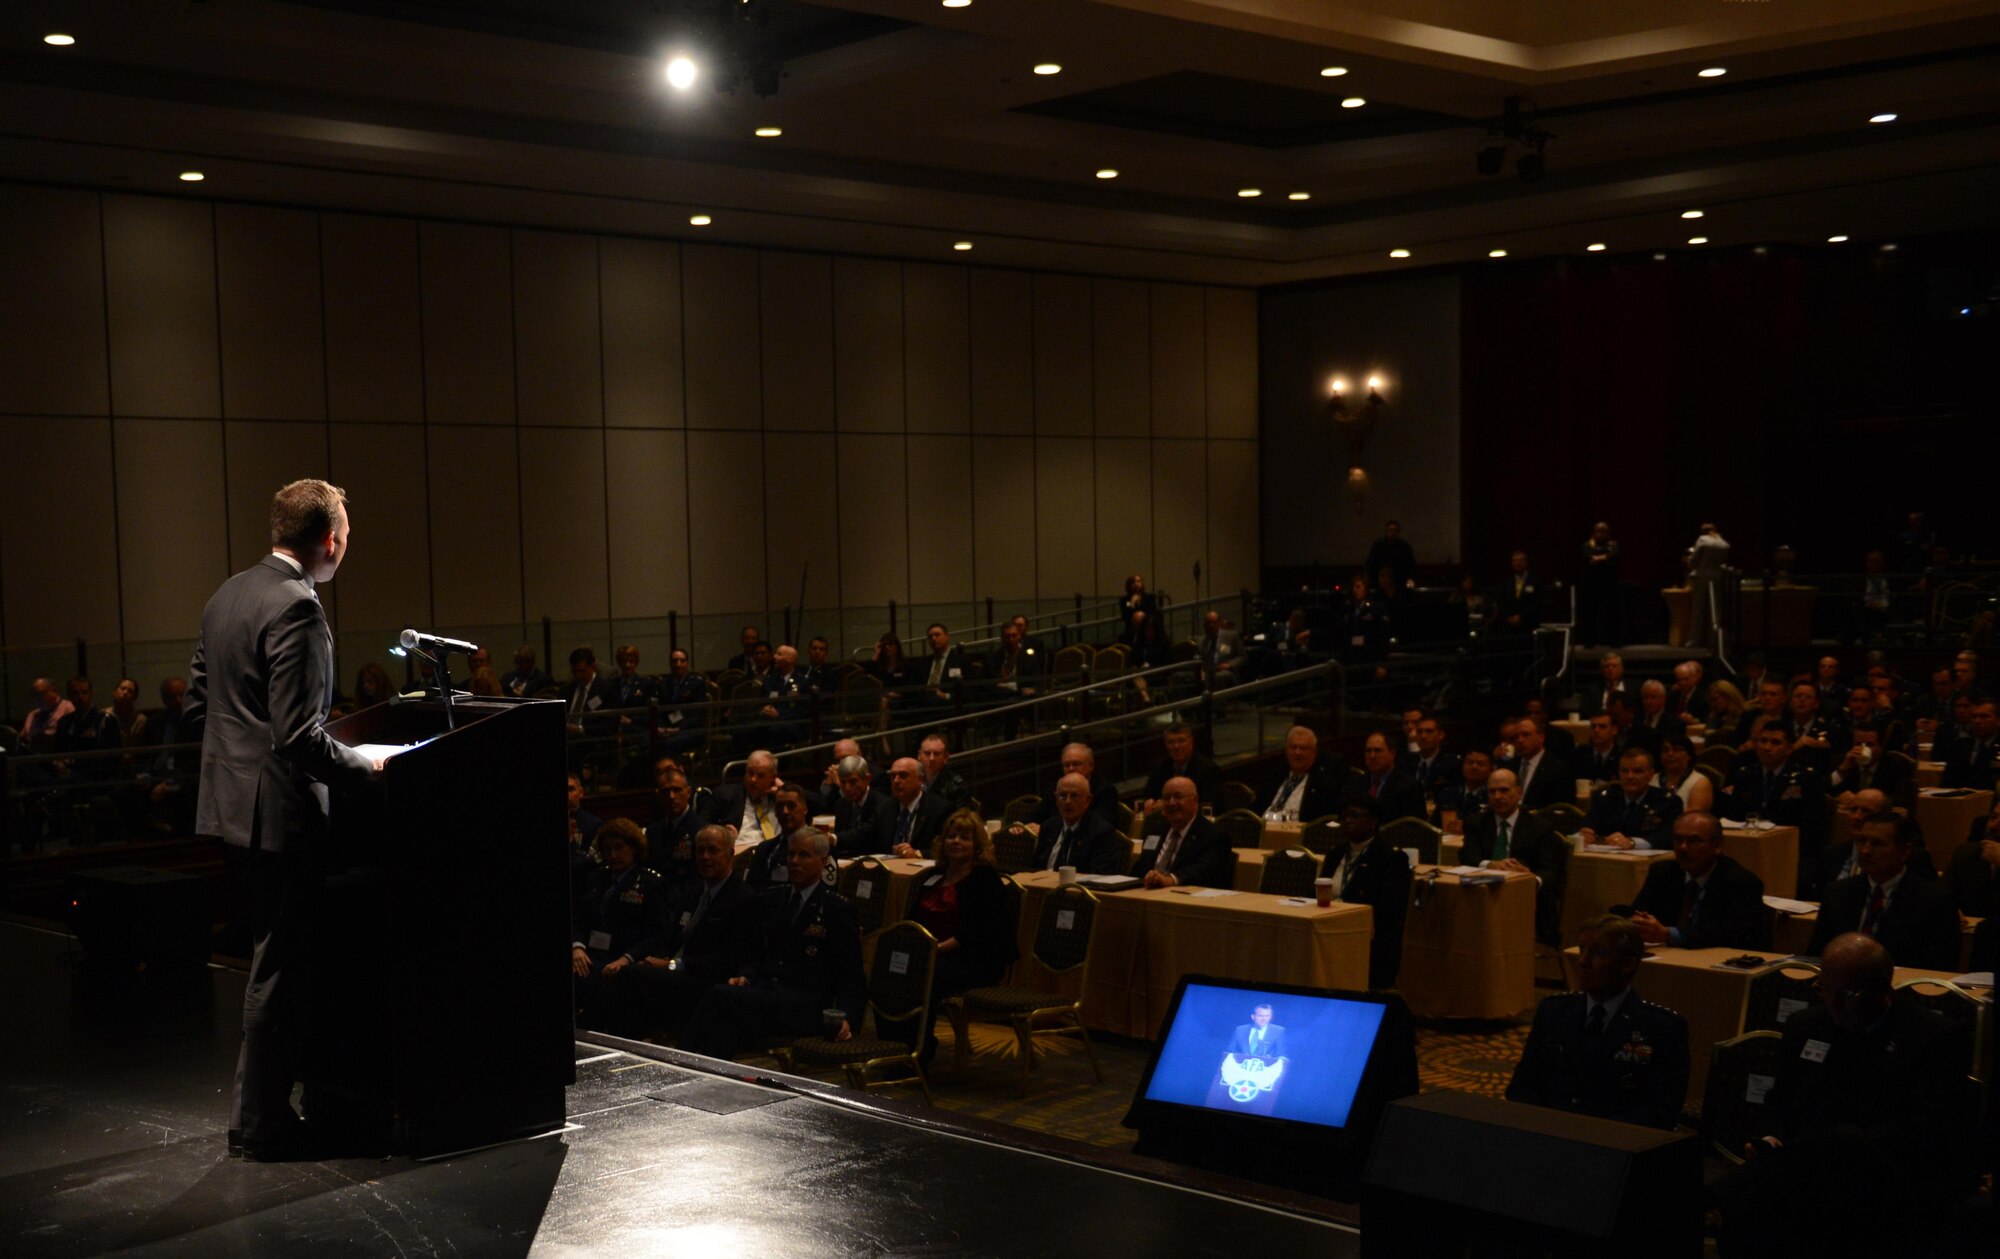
(1048, 67)
(1353, 102)
(1692, 214)
(769, 133)
(1496, 253)
(961, 245)
(1760, 250)
(192, 177)
(1298, 196)
(1713, 72)
(1399, 253)
(681, 74)
(58, 39)
(1883, 118)
(1836, 240)
(1107, 173)
(1595, 247)
(1332, 72)
(1697, 240)
(1249, 192)
(1888, 246)
(957, 4)
(1660, 257)
(699, 220)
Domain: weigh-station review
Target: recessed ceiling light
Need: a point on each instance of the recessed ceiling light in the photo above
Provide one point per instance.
(1888, 246)
(192, 177)
(769, 133)
(1399, 253)
(1249, 192)
(1692, 214)
(961, 245)
(1713, 72)
(1660, 257)
(1353, 102)
(681, 74)
(957, 4)
(1760, 250)
(59, 39)
(1107, 173)
(1332, 72)
(1697, 240)
(1836, 240)
(1595, 247)
(1048, 67)
(1496, 253)
(699, 220)
(1882, 118)
(1298, 196)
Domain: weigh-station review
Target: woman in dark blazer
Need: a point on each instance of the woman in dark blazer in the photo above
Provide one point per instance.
(963, 902)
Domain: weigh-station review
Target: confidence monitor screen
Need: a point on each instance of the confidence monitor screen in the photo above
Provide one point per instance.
(1270, 1053)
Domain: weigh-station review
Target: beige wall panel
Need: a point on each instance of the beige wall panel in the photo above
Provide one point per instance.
(374, 319)
(385, 581)
(45, 552)
(641, 282)
(647, 472)
(1124, 512)
(564, 569)
(52, 359)
(1121, 358)
(797, 304)
(720, 308)
(475, 527)
(267, 268)
(159, 280)
(940, 476)
(726, 522)
(935, 349)
(874, 521)
(1062, 356)
(1065, 518)
(556, 317)
(1180, 390)
(172, 552)
(868, 345)
(260, 457)
(800, 524)
(1232, 535)
(468, 300)
(1232, 363)
(1003, 352)
(1003, 517)
(1180, 517)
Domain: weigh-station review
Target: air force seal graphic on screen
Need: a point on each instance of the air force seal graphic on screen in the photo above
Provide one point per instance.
(1247, 1078)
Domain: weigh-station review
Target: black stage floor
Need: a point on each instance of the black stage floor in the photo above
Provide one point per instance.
(113, 1100)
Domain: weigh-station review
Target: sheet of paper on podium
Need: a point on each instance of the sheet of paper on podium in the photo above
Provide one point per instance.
(383, 751)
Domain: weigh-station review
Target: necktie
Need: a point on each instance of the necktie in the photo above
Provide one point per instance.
(1256, 1041)
(1873, 918)
(1500, 839)
(903, 825)
(1167, 851)
(1690, 899)
(1375, 787)
(1284, 793)
(937, 669)
(766, 825)
(1593, 1027)
(1978, 753)
(798, 906)
(1059, 854)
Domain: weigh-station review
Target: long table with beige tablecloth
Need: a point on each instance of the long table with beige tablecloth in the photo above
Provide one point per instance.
(1144, 941)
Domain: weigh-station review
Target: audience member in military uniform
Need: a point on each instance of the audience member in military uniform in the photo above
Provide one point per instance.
(1078, 835)
(1702, 899)
(713, 919)
(670, 835)
(746, 807)
(624, 920)
(1835, 862)
(1969, 759)
(1504, 837)
(1077, 758)
(1865, 766)
(1365, 872)
(524, 680)
(1815, 740)
(806, 960)
(1181, 761)
(1973, 874)
(87, 728)
(1634, 813)
(1311, 785)
(913, 818)
(745, 661)
(1465, 801)
(814, 673)
(940, 779)
(1602, 1050)
(1867, 1132)
(1434, 768)
(784, 711)
(1597, 760)
(631, 688)
(963, 902)
(583, 823)
(682, 694)
(1767, 783)
(1544, 775)
(1914, 918)
(1192, 849)
(1392, 793)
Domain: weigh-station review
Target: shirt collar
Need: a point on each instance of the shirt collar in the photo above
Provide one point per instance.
(297, 568)
(1611, 1005)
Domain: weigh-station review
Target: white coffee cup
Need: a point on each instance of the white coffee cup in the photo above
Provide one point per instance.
(1066, 875)
(823, 821)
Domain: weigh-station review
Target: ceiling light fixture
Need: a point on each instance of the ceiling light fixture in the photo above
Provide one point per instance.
(1249, 192)
(1713, 72)
(1888, 246)
(1661, 256)
(1353, 102)
(1399, 253)
(1595, 247)
(58, 39)
(769, 133)
(1836, 240)
(957, 4)
(1496, 253)
(1332, 72)
(961, 245)
(699, 220)
(1697, 240)
(681, 74)
(192, 177)
(1298, 196)
(1107, 173)
(1048, 67)
(1693, 214)
(1883, 118)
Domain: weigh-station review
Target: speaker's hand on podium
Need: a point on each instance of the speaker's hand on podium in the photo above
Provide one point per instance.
(381, 764)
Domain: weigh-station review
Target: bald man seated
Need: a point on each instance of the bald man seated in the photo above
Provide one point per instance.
(1079, 837)
(1192, 850)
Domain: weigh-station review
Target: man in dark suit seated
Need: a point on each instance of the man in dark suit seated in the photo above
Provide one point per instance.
(712, 929)
(1839, 861)
(857, 807)
(1863, 767)
(746, 807)
(944, 671)
(1506, 838)
(1560, 744)
(1434, 769)
(1182, 761)
(1868, 1130)
(670, 836)
(791, 809)
(1078, 758)
(1311, 785)
(1913, 918)
(1633, 814)
(1602, 1050)
(1192, 851)
(1597, 760)
(807, 960)
(1078, 836)
(940, 779)
(524, 679)
(1459, 803)
(1973, 875)
(1703, 899)
(588, 693)
(814, 672)
(913, 818)
(745, 661)
(1365, 872)
(1625, 720)
(1969, 759)
(1393, 793)
(1544, 776)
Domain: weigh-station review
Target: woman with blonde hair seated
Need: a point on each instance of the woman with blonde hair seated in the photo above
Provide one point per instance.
(963, 902)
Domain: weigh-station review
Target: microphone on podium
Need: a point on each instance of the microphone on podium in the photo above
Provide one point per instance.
(412, 639)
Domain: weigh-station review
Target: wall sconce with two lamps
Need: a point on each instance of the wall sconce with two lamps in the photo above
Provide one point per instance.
(1359, 423)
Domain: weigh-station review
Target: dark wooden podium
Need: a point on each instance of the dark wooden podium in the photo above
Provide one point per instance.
(442, 1006)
